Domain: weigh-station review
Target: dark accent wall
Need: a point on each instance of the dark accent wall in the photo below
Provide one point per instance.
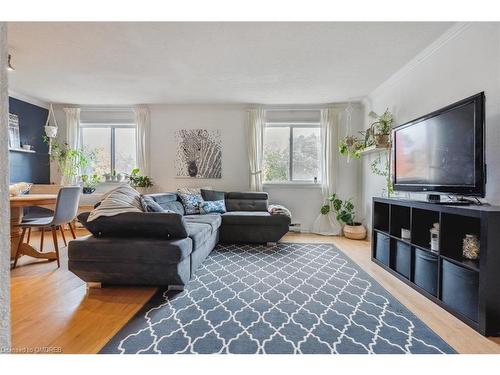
(30, 167)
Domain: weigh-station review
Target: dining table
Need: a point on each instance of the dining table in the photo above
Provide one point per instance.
(17, 205)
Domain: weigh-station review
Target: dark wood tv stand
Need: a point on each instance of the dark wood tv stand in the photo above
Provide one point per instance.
(468, 289)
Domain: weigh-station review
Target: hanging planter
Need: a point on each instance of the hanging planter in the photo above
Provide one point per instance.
(50, 130)
(351, 146)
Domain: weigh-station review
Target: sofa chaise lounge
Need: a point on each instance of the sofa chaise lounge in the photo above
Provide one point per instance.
(165, 249)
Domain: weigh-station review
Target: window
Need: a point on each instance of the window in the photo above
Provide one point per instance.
(292, 152)
(114, 146)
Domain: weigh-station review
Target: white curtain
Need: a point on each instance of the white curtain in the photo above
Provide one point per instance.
(142, 120)
(328, 224)
(72, 127)
(256, 120)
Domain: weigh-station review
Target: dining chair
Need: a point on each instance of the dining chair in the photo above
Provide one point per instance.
(64, 213)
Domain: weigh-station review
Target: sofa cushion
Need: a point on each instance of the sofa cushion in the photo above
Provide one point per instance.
(168, 201)
(250, 201)
(214, 220)
(143, 251)
(191, 203)
(210, 207)
(212, 195)
(199, 233)
(253, 218)
(137, 224)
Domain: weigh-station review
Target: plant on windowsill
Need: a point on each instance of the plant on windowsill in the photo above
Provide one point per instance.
(90, 182)
(69, 161)
(139, 182)
(345, 214)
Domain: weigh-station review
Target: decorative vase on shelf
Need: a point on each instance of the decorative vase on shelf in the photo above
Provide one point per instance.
(470, 248)
(355, 232)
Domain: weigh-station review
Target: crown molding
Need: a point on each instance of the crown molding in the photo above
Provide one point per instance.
(28, 99)
(422, 56)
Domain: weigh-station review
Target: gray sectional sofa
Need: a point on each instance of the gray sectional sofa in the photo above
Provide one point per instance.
(165, 249)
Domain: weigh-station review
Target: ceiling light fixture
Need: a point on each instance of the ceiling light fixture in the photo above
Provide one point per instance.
(10, 68)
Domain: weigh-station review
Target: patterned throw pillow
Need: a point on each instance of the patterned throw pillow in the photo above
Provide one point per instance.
(209, 207)
(191, 203)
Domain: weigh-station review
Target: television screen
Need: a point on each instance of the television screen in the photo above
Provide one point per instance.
(441, 152)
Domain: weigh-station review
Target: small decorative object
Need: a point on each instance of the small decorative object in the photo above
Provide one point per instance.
(138, 182)
(345, 215)
(199, 153)
(89, 183)
(19, 188)
(470, 248)
(434, 231)
(405, 234)
(14, 139)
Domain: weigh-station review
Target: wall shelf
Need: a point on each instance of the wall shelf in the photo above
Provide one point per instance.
(22, 150)
(374, 149)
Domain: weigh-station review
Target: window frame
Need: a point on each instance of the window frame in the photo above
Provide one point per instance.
(112, 127)
(294, 125)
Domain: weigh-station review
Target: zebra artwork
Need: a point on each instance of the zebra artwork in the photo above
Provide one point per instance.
(199, 153)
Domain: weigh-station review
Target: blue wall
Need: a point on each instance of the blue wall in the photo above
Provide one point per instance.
(30, 167)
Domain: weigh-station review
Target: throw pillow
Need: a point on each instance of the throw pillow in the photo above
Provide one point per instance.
(208, 207)
(120, 200)
(150, 205)
(191, 203)
(212, 195)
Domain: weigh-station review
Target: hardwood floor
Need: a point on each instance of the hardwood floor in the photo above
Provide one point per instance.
(52, 308)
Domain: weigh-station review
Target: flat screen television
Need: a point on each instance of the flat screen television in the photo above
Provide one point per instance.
(442, 152)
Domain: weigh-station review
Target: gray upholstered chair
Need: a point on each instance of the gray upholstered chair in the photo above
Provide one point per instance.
(65, 212)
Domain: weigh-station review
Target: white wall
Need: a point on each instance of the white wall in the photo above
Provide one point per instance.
(4, 200)
(463, 62)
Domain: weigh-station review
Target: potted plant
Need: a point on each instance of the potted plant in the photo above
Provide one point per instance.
(139, 182)
(90, 182)
(351, 146)
(69, 161)
(346, 216)
(381, 127)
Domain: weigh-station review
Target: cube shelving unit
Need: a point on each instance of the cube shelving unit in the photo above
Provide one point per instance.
(468, 289)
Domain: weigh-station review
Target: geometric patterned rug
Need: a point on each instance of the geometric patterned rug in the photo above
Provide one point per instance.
(290, 298)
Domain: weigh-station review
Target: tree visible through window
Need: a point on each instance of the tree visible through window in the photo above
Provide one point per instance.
(292, 152)
(114, 146)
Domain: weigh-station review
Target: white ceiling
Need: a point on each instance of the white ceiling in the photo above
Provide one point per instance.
(270, 63)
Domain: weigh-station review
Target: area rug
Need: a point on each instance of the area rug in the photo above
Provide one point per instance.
(289, 298)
